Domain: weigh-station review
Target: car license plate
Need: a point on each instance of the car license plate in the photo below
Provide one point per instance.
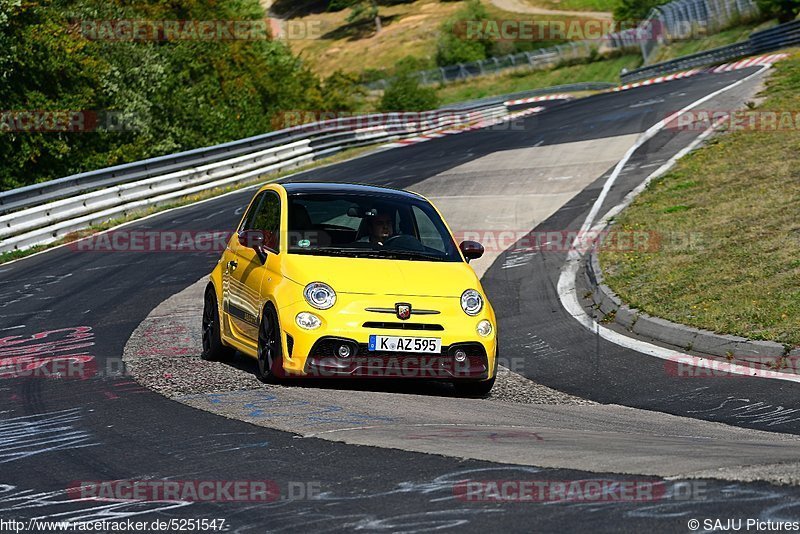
(405, 344)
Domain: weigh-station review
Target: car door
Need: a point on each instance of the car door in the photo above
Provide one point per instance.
(246, 271)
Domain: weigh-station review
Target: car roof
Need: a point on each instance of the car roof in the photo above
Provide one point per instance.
(297, 188)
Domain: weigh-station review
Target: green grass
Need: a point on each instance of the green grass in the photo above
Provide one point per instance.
(599, 71)
(729, 214)
(725, 37)
(604, 70)
(409, 29)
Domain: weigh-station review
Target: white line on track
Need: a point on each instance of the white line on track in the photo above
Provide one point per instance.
(566, 281)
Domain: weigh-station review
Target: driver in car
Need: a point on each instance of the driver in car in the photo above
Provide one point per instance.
(380, 228)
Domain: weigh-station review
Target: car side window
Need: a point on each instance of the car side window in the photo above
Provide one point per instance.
(250, 215)
(268, 218)
(428, 233)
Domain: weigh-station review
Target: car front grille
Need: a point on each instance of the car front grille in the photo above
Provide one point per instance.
(403, 326)
(324, 361)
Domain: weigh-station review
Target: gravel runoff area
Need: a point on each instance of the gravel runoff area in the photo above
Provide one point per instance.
(163, 354)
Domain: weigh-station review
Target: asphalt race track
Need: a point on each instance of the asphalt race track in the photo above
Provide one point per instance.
(56, 432)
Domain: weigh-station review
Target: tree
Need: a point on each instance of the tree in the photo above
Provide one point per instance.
(360, 11)
(455, 44)
(785, 10)
(341, 91)
(167, 95)
(405, 93)
(634, 10)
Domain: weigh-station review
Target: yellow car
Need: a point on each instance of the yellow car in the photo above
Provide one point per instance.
(344, 280)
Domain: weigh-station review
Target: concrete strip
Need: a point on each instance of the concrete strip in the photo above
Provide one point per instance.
(763, 349)
(662, 330)
(678, 335)
(626, 317)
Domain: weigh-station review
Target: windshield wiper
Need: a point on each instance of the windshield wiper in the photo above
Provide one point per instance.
(411, 254)
(369, 252)
(332, 251)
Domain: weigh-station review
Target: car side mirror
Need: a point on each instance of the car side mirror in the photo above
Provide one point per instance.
(472, 250)
(256, 240)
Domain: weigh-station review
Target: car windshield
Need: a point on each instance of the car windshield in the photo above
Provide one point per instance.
(368, 226)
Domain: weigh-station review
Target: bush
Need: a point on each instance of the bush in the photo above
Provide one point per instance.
(342, 91)
(634, 10)
(405, 93)
(454, 45)
(784, 10)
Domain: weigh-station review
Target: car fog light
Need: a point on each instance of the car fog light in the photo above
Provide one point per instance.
(484, 328)
(344, 351)
(306, 320)
(461, 356)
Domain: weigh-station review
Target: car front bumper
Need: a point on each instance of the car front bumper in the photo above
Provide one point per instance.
(315, 353)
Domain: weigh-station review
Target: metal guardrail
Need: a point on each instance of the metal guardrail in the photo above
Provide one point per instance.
(775, 38)
(140, 170)
(708, 57)
(542, 58)
(48, 211)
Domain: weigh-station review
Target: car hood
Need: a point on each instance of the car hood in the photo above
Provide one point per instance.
(377, 276)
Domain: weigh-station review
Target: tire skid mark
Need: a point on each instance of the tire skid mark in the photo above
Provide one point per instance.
(30, 435)
(57, 505)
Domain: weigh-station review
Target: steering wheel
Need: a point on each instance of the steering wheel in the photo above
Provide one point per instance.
(408, 243)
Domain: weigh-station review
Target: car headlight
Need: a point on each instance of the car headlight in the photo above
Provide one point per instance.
(320, 295)
(471, 302)
(307, 320)
(484, 328)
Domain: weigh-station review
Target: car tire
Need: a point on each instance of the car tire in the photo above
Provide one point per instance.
(270, 351)
(474, 389)
(213, 348)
